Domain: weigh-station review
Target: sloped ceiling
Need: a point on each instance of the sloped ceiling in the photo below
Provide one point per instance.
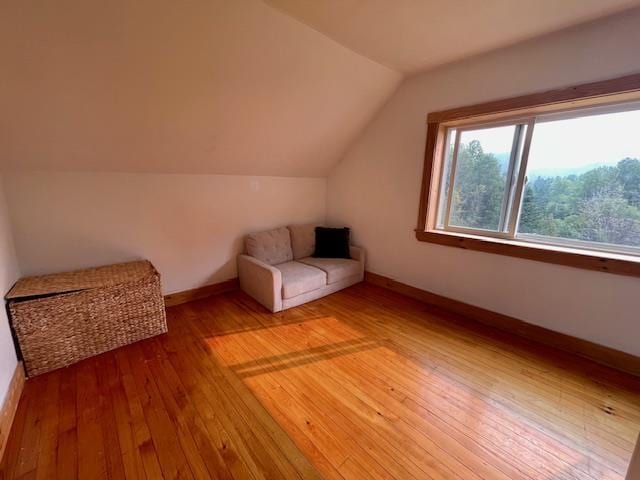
(413, 35)
(200, 86)
(246, 87)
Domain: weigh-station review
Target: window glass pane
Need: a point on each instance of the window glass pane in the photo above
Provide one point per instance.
(583, 180)
(479, 186)
(446, 177)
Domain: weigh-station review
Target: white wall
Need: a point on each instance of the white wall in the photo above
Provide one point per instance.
(189, 226)
(164, 86)
(375, 189)
(9, 273)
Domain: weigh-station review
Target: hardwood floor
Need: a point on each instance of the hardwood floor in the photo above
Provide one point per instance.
(363, 384)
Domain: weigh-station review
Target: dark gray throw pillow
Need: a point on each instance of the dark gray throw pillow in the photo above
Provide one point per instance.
(332, 243)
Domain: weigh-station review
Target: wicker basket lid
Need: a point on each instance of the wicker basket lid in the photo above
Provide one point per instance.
(77, 280)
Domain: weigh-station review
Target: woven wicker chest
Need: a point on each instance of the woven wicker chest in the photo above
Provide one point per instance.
(62, 318)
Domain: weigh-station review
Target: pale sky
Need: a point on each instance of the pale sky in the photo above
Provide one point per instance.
(493, 140)
(605, 138)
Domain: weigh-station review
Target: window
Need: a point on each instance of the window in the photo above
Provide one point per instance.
(583, 181)
(559, 176)
(482, 166)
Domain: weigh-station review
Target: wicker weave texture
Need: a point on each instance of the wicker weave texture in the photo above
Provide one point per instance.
(98, 277)
(124, 304)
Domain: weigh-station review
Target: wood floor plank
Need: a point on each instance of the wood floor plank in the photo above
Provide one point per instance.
(67, 453)
(91, 449)
(527, 361)
(109, 380)
(520, 396)
(316, 393)
(364, 383)
(276, 452)
(16, 444)
(346, 434)
(427, 465)
(456, 406)
(389, 417)
(168, 440)
(48, 445)
(107, 420)
(135, 418)
(230, 443)
(221, 404)
(367, 371)
(316, 439)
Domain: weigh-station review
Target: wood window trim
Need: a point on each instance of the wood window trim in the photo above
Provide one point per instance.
(586, 95)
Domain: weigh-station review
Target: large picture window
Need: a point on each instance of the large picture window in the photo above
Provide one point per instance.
(561, 176)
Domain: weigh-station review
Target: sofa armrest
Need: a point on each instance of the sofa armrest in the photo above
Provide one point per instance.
(357, 253)
(262, 281)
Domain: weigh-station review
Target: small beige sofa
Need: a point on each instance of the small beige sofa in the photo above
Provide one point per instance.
(279, 271)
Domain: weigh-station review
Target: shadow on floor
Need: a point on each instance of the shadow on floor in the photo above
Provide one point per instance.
(302, 357)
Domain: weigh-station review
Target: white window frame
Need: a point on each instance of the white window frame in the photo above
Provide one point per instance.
(514, 189)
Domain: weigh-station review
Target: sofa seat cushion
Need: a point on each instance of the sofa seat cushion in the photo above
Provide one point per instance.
(336, 268)
(298, 278)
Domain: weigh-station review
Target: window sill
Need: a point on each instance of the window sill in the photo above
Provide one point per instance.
(619, 264)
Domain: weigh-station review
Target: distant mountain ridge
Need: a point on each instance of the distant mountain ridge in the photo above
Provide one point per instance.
(565, 172)
(503, 159)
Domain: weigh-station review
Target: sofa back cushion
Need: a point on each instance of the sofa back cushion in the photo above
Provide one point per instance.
(272, 247)
(303, 240)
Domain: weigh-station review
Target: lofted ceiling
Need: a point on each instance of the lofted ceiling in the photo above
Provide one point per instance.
(246, 87)
(414, 35)
(165, 86)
